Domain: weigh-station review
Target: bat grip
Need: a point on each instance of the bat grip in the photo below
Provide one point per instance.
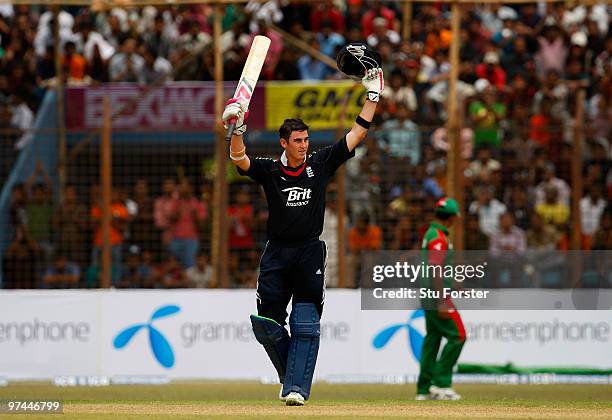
(230, 129)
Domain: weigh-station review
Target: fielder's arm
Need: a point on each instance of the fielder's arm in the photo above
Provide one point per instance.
(374, 82)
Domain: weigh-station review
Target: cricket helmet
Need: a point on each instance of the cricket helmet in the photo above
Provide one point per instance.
(356, 58)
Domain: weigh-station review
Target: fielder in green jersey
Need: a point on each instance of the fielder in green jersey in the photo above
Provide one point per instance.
(435, 377)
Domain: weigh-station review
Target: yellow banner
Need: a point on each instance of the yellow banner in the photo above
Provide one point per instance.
(317, 103)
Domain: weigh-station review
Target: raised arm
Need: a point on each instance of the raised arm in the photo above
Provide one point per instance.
(236, 111)
(374, 83)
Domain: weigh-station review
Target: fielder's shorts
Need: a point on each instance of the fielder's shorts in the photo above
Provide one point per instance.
(291, 272)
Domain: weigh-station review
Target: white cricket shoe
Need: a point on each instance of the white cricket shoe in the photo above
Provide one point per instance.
(422, 397)
(294, 398)
(280, 394)
(447, 394)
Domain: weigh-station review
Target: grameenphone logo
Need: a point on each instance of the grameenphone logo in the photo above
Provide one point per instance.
(415, 337)
(160, 346)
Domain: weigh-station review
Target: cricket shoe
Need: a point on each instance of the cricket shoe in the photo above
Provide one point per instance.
(294, 398)
(280, 395)
(447, 394)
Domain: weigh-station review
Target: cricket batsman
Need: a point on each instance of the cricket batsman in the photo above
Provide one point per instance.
(292, 266)
(441, 316)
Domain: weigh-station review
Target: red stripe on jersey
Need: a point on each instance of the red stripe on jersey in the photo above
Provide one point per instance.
(438, 248)
(454, 315)
(292, 173)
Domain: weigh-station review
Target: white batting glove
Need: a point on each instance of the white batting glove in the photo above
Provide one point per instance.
(235, 112)
(374, 83)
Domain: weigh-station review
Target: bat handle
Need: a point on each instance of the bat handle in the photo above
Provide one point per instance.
(230, 129)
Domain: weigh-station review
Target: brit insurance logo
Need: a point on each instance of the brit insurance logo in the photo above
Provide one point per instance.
(297, 196)
(414, 336)
(159, 344)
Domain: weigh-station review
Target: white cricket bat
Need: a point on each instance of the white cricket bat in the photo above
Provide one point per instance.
(250, 75)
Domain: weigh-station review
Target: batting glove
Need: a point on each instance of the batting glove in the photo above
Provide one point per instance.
(374, 83)
(235, 112)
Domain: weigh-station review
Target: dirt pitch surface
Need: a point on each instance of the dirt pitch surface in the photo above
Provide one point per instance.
(248, 400)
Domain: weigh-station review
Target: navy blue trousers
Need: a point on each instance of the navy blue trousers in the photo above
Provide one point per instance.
(291, 272)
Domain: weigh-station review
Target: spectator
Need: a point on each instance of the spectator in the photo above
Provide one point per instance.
(363, 237)
(541, 236)
(119, 217)
(557, 91)
(74, 64)
(330, 42)
(491, 70)
(128, 65)
(404, 235)
(382, 33)
(144, 234)
(162, 39)
(70, 223)
(509, 239)
(552, 47)
(39, 210)
(552, 210)
(592, 207)
(519, 206)
(20, 261)
(507, 247)
(200, 275)
(544, 125)
(88, 41)
(136, 273)
(169, 274)
(475, 239)
(488, 209)
(486, 115)
(484, 164)
(155, 68)
(62, 274)
(401, 138)
(186, 217)
(162, 210)
(326, 13)
(195, 40)
(311, 68)
(241, 218)
(550, 180)
(376, 9)
(603, 237)
(398, 93)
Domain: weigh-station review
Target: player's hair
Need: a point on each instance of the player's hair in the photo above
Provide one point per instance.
(290, 125)
(442, 215)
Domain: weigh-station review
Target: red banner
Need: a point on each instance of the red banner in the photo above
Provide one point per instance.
(171, 107)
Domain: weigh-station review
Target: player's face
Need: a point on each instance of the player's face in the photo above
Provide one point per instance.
(297, 146)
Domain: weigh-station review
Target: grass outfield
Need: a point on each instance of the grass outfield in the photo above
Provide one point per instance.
(240, 400)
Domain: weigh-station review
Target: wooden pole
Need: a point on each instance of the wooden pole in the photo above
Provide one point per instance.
(407, 20)
(453, 161)
(341, 197)
(577, 171)
(219, 226)
(61, 103)
(106, 183)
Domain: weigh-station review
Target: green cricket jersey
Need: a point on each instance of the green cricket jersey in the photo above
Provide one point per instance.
(437, 250)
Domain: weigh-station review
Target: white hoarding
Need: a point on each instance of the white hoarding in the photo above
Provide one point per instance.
(207, 334)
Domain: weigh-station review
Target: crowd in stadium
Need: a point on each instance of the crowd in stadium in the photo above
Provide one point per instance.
(522, 67)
